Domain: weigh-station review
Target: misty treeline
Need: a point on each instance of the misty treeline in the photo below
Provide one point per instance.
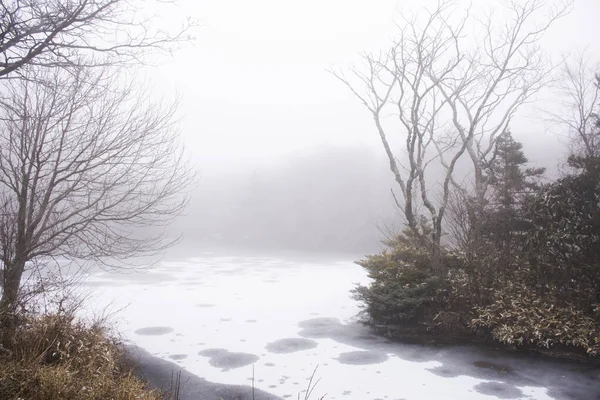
(490, 247)
(86, 158)
(333, 199)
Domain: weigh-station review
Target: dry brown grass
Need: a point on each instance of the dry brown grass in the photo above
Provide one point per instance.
(52, 357)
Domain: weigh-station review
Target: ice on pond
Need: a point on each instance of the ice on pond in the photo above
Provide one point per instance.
(237, 325)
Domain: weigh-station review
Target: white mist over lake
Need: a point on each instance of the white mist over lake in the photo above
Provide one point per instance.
(225, 317)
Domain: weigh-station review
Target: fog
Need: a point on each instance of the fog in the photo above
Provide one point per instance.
(287, 156)
(334, 199)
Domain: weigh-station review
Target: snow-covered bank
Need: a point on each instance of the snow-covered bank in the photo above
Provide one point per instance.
(218, 316)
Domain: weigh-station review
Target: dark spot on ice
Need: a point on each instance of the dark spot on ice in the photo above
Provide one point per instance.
(221, 358)
(204, 305)
(362, 357)
(250, 321)
(225, 319)
(154, 330)
(178, 357)
(500, 390)
(272, 386)
(291, 345)
(269, 365)
(212, 352)
(320, 327)
(346, 393)
(444, 372)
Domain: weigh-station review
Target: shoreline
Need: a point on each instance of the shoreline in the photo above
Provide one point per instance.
(557, 353)
(160, 374)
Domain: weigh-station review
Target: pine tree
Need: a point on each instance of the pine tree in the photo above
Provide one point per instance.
(511, 182)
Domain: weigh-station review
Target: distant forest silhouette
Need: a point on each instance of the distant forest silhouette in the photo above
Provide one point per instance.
(333, 200)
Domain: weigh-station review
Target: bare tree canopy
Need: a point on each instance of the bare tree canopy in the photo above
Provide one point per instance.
(84, 164)
(59, 32)
(579, 88)
(439, 96)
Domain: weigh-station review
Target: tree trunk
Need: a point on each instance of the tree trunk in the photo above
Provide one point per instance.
(9, 301)
(12, 282)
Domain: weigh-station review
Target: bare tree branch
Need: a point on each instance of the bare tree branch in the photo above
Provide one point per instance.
(79, 33)
(451, 98)
(579, 87)
(89, 170)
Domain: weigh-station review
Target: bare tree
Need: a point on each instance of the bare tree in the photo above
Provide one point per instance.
(59, 32)
(449, 97)
(579, 89)
(86, 167)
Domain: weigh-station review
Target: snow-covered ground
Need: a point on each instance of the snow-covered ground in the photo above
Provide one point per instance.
(225, 318)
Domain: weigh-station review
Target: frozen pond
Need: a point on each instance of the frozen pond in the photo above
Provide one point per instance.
(224, 318)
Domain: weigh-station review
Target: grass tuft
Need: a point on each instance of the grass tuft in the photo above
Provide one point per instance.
(55, 356)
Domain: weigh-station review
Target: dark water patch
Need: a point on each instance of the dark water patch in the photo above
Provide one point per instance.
(493, 366)
(154, 330)
(178, 357)
(212, 352)
(290, 345)
(321, 328)
(226, 360)
(160, 372)
(563, 378)
(444, 372)
(499, 390)
(205, 305)
(362, 358)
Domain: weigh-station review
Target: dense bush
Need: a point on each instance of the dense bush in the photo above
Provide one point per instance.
(534, 284)
(406, 296)
(520, 317)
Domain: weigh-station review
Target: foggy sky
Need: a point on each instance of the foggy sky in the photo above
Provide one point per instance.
(254, 82)
(256, 92)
